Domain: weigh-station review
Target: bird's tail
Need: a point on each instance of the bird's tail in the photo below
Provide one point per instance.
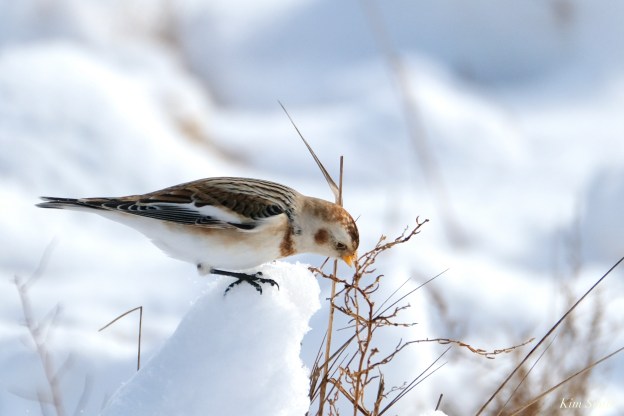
(65, 203)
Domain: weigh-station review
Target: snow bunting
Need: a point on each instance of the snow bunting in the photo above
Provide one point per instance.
(227, 224)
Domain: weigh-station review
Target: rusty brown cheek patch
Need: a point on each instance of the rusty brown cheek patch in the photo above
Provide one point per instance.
(287, 247)
(321, 236)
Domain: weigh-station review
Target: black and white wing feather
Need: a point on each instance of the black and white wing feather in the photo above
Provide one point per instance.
(235, 203)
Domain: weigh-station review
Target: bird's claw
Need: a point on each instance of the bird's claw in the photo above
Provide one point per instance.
(255, 280)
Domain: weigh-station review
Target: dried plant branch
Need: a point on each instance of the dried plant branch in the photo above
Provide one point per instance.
(361, 371)
(380, 395)
(527, 374)
(426, 282)
(39, 332)
(358, 378)
(315, 373)
(331, 361)
(84, 395)
(416, 381)
(553, 388)
(330, 324)
(348, 396)
(439, 402)
(337, 191)
(140, 309)
(43, 263)
(545, 337)
(478, 351)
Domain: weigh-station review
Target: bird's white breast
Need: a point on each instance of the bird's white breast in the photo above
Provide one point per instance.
(225, 248)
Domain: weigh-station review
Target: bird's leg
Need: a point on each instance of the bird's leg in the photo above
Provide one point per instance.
(253, 279)
(203, 270)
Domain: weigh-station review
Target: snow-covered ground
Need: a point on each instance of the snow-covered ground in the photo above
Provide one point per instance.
(520, 102)
(220, 345)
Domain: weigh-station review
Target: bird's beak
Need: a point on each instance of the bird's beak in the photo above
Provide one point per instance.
(349, 259)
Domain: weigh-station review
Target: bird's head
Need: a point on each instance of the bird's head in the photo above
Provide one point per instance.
(333, 230)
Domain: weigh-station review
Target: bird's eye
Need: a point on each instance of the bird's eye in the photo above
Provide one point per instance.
(340, 246)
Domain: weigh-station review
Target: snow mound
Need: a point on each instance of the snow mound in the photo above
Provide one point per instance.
(231, 355)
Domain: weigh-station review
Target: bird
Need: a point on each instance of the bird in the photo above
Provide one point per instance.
(225, 225)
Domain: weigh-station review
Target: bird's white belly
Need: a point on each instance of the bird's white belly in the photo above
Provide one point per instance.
(228, 249)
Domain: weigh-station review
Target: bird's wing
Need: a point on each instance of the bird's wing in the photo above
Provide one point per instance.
(235, 203)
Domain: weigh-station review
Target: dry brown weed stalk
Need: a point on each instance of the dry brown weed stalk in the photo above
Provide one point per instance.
(559, 364)
(40, 331)
(356, 368)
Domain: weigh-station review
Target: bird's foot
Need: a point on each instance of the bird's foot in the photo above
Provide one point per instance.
(255, 279)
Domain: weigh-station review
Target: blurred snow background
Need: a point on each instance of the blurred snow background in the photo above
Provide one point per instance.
(521, 104)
